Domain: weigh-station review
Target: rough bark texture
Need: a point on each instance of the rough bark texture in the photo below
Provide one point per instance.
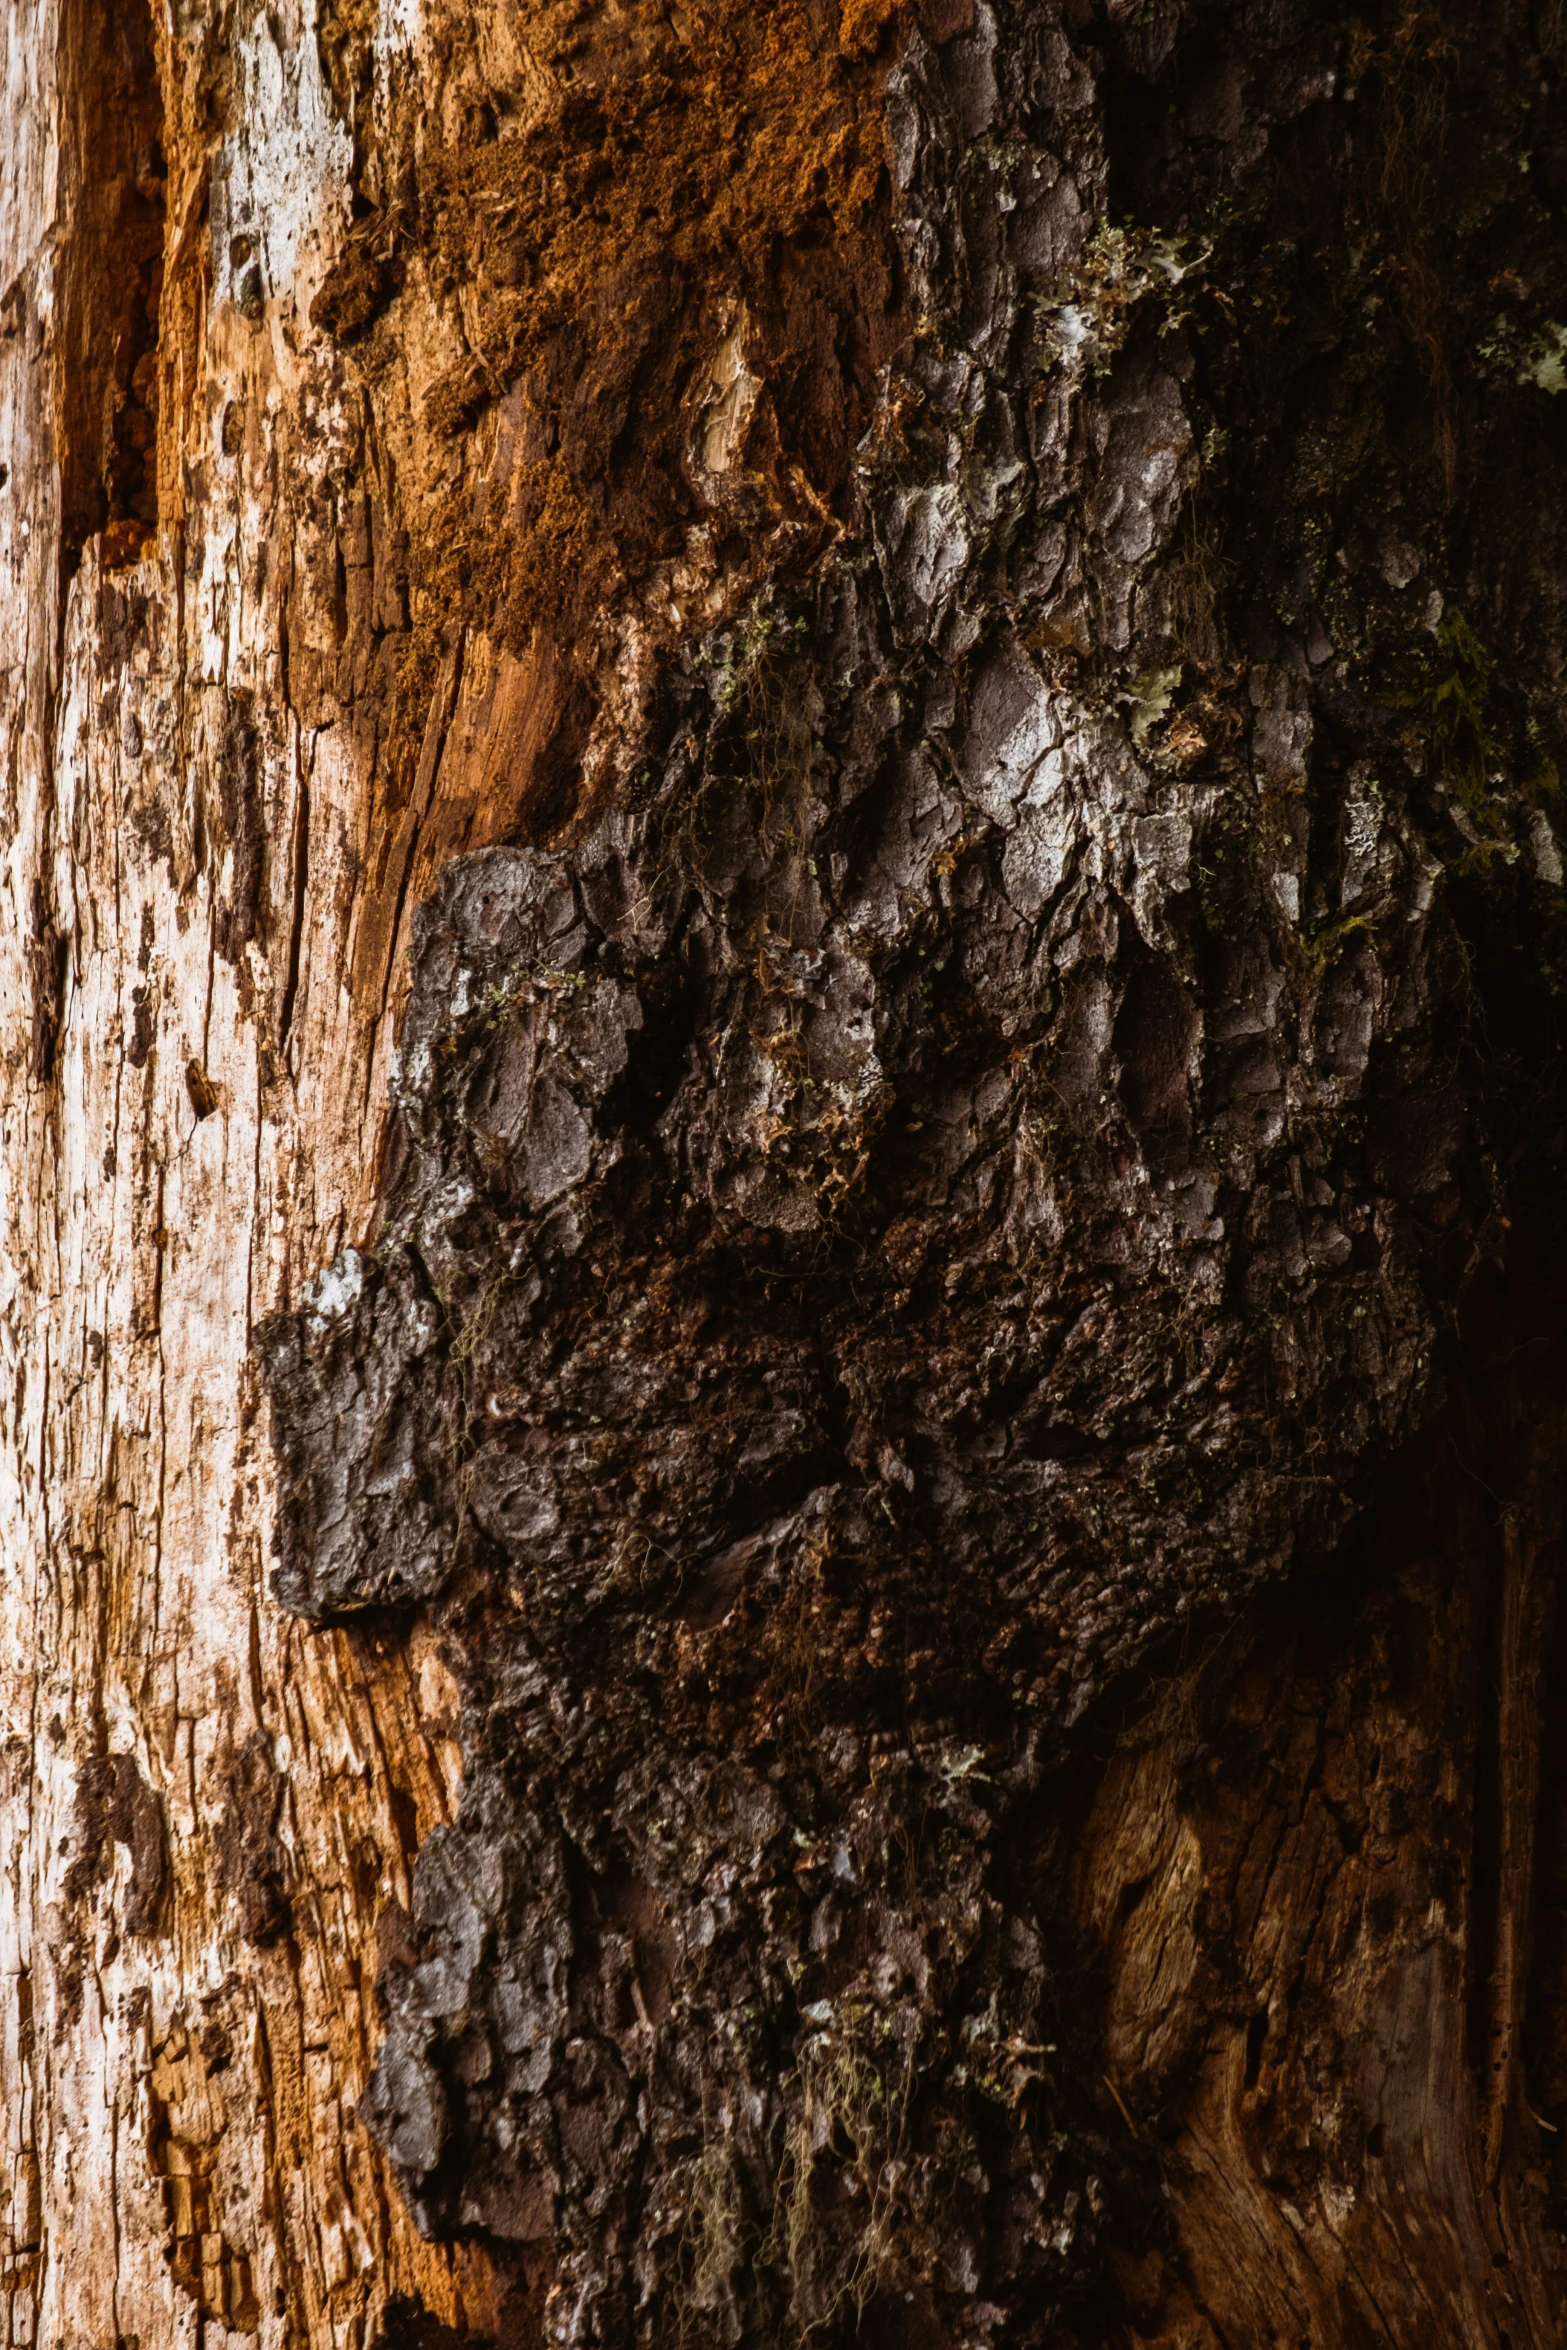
(779, 815)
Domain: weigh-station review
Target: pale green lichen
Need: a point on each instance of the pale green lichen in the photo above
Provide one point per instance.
(1545, 363)
(1087, 319)
(1149, 697)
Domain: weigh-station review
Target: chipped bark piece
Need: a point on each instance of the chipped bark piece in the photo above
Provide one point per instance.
(136, 1821)
(204, 1096)
(252, 1859)
(356, 291)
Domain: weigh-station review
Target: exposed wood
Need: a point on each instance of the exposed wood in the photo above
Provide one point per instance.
(206, 1804)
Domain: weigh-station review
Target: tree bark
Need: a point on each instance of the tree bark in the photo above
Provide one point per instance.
(781, 1006)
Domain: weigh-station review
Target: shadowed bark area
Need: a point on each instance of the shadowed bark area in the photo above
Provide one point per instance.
(112, 281)
(1324, 1998)
(934, 1188)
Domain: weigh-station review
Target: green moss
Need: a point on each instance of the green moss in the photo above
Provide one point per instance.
(1322, 945)
(1461, 714)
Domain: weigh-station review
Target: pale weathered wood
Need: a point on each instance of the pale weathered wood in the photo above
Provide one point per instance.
(192, 1112)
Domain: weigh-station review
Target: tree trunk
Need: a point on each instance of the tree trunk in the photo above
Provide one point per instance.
(783, 1329)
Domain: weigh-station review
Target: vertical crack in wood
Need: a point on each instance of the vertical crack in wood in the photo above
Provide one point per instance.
(1527, 1593)
(112, 280)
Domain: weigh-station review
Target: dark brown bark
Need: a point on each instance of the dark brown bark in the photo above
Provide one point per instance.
(985, 1105)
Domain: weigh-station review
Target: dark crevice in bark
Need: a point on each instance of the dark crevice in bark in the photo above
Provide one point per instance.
(111, 280)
